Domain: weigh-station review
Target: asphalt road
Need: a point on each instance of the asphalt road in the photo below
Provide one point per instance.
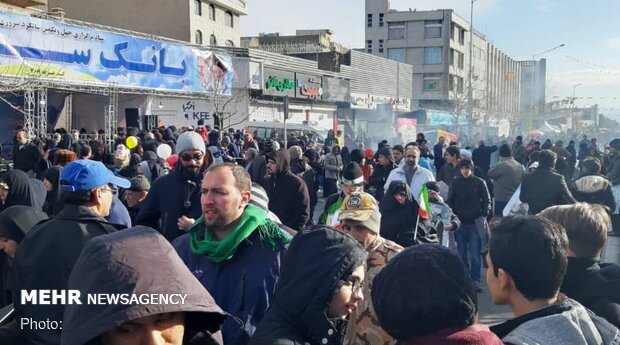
(491, 314)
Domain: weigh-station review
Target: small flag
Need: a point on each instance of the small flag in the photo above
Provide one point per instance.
(424, 209)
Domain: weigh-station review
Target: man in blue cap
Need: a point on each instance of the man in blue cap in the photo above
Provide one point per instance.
(48, 252)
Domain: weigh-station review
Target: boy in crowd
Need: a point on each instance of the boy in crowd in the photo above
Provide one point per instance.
(527, 262)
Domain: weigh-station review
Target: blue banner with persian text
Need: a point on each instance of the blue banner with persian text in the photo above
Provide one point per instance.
(50, 50)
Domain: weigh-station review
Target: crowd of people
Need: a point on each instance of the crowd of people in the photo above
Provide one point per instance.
(396, 253)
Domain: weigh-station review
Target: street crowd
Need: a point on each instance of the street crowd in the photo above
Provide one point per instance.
(396, 255)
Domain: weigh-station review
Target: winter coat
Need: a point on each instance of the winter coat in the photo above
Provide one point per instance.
(44, 260)
(109, 264)
(469, 198)
(333, 166)
(119, 214)
(258, 169)
(593, 189)
(519, 152)
(506, 176)
(565, 323)
(288, 196)
(473, 335)
(398, 222)
(23, 190)
(482, 156)
(27, 157)
(378, 178)
(594, 285)
(439, 160)
(318, 258)
(170, 197)
(543, 188)
(243, 286)
(448, 173)
(613, 172)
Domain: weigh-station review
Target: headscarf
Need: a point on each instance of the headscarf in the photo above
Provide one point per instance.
(131, 169)
(20, 191)
(53, 202)
(16, 221)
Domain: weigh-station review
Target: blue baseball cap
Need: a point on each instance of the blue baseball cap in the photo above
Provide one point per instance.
(85, 174)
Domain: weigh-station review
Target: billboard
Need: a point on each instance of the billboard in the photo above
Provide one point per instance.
(55, 51)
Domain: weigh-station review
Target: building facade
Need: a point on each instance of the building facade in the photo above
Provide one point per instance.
(436, 43)
(214, 22)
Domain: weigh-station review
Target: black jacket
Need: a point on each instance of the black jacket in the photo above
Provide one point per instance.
(170, 197)
(595, 285)
(378, 178)
(593, 189)
(317, 259)
(543, 188)
(27, 157)
(44, 260)
(398, 222)
(288, 196)
(482, 156)
(469, 198)
(110, 264)
(258, 170)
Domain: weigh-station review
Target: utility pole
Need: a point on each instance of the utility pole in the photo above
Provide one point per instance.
(470, 95)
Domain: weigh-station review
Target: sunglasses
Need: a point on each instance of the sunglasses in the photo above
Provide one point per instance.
(187, 157)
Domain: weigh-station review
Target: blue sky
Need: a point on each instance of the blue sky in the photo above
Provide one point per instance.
(520, 28)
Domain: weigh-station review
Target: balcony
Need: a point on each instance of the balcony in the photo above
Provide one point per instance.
(25, 3)
(239, 7)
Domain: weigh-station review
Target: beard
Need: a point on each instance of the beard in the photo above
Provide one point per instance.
(193, 173)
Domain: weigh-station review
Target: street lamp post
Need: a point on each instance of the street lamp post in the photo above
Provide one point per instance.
(534, 107)
(470, 96)
(574, 117)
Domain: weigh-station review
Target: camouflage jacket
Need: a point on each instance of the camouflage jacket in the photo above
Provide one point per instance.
(364, 328)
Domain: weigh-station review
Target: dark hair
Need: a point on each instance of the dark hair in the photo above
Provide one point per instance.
(546, 159)
(592, 165)
(454, 151)
(85, 151)
(79, 198)
(466, 163)
(64, 157)
(533, 251)
(243, 181)
(399, 148)
(505, 151)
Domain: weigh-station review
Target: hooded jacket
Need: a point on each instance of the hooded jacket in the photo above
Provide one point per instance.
(53, 202)
(398, 222)
(170, 197)
(288, 194)
(381, 173)
(318, 258)
(593, 189)
(45, 258)
(544, 188)
(110, 264)
(506, 176)
(23, 190)
(565, 323)
(594, 285)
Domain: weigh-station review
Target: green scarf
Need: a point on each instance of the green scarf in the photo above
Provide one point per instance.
(253, 218)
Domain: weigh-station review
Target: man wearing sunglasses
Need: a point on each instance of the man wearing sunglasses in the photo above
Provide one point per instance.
(360, 217)
(177, 194)
(48, 252)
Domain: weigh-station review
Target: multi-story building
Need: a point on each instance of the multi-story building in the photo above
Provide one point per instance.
(436, 43)
(24, 4)
(213, 22)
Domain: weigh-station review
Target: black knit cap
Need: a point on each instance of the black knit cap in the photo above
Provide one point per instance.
(445, 298)
(352, 174)
(357, 156)
(16, 221)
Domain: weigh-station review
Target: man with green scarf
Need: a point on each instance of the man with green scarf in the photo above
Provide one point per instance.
(234, 250)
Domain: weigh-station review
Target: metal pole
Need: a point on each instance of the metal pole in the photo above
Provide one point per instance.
(470, 95)
(532, 89)
(575, 107)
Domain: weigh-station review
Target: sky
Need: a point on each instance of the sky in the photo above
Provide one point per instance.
(520, 28)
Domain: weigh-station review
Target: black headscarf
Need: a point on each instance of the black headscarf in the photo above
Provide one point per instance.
(19, 189)
(131, 170)
(16, 221)
(53, 201)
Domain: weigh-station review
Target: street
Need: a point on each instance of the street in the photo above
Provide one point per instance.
(491, 314)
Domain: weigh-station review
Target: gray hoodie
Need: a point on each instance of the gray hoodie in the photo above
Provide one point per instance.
(575, 325)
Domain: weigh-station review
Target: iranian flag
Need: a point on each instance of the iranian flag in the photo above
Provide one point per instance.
(424, 209)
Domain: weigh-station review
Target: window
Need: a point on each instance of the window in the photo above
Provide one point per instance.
(229, 43)
(212, 40)
(451, 59)
(381, 19)
(432, 28)
(462, 36)
(432, 82)
(198, 7)
(461, 60)
(228, 19)
(369, 20)
(198, 37)
(397, 54)
(212, 12)
(396, 31)
(369, 46)
(432, 56)
(380, 46)
(459, 85)
(452, 28)
(451, 82)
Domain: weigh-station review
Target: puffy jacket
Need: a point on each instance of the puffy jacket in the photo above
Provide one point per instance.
(110, 264)
(317, 259)
(44, 260)
(543, 188)
(469, 198)
(333, 165)
(593, 189)
(242, 286)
